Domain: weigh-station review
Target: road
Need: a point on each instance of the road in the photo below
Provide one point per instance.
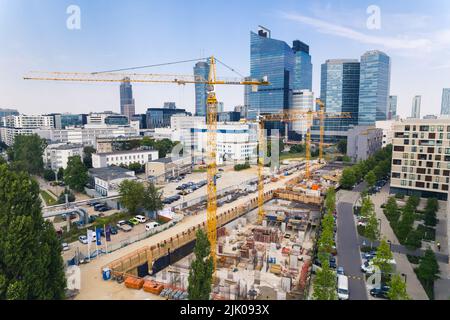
(349, 255)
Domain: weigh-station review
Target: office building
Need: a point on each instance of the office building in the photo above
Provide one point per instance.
(374, 87)
(169, 105)
(421, 158)
(392, 108)
(388, 131)
(302, 100)
(415, 109)
(57, 155)
(243, 110)
(65, 120)
(142, 119)
(161, 170)
(118, 158)
(201, 73)
(13, 125)
(127, 107)
(160, 117)
(8, 112)
(445, 105)
(302, 66)
(363, 142)
(106, 181)
(229, 116)
(339, 91)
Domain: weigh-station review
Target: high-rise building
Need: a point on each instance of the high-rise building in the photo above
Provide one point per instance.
(160, 117)
(302, 67)
(170, 105)
(374, 87)
(392, 109)
(8, 112)
(302, 100)
(127, 107)
(275, 59)
(445, 105)
(339, 91)
(201, 72)
(415, 109)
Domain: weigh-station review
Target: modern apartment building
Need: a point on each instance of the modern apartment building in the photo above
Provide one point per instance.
(13, 125)
(363, 142)
(445, 105)
(388, 130)
(57, 155)
(421, 158)
(117, 158)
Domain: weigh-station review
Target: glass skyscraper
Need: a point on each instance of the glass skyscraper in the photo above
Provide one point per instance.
(392, 109)
(201, 72)
(374, 87)
(339, 91)
(302, 67)
(127, 107)
(445, 106)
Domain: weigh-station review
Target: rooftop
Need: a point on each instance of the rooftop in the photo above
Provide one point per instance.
(111, 173)
(127, 152)
(68, 146)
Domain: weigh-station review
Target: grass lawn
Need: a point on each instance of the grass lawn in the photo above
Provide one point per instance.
(49, 200)
(288, 155)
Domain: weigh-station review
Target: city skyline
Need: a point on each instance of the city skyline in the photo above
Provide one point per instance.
(332, 31)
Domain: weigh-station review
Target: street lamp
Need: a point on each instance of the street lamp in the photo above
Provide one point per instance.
(405, 276)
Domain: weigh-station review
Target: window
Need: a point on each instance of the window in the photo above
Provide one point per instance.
(397, 162)
(436, 179)
(430, 150)
(420, 184)
(437, 158)
(435, 186)
(437, 172)
(445, 187)
(440, 128)
(399, 148)
(396, 175)
(408, 128)
(403, 183)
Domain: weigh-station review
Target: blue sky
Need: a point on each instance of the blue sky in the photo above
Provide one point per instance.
(115, 34)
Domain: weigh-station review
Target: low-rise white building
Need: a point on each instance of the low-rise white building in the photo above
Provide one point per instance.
(106, 181)
(101, 160)
(13, 125)
(57, 155)
(388, 130)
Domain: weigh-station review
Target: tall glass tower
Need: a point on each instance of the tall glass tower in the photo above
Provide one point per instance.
(374, 87)
(392, 110)
(302, 66)
(127, 107)
(445, 106)
(339, 91)
(201, 72)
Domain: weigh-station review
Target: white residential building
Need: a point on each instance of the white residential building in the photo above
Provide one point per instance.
(388, 130)
(13, 125)
(57, 155)
(235, 142)
(107, 180)
(8, 135)
(101, 160)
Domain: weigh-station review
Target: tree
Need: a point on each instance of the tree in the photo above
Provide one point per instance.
(297, 148)
(391, 210)
(371, 230)
(26, 154)
(324, 286)
(76, 175)
(132, 195)
(135, 166)
(49, 175)
(430, 212)
(330, 200)
(152, 199)
(62, 196)
(87, 158)
(397, 288)
(405, 225)
(342, 146)
(348, 178)
(31, 266)
(383, 257)
(370, 179)
(428, 271)
(202, 268)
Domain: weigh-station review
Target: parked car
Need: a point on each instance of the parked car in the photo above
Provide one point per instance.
(83, 239)
(342, 291)
(114, 230)
(151, 225)
(140, 218)
(65, 246)
(120, 223)
(367, 267)
(380, 292)
(340, 271)
(104, 209)
(134, 221)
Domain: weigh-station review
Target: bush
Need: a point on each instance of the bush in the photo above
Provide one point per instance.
(239, 167)
(399, 196)
(413, 259)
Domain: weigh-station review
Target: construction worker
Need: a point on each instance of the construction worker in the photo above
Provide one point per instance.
(438, 246)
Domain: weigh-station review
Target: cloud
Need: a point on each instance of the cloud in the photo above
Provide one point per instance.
(337, 30)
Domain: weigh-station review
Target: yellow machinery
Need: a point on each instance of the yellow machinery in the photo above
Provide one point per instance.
(115, 76)
(291, 116)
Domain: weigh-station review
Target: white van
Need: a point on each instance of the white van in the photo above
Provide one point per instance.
(141, 219)
(151, 225)
(342, 289)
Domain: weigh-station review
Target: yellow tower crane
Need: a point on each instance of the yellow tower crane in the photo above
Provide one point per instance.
(291, 116)
(119, 76)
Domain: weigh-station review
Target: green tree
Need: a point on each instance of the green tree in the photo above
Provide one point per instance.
(152, 198)
(397, 288)
(202, 268)
(370, 179)
(87, 157)
(132, 195)
(31, 265)
(391, 210)
(430, 212)
(342, 146)
(26, 154)
(324, 285)
(136, 167)
(371, 230)
(330, 200)
(428, 271)
(383, 257)
(49, 175)
(297, 148)
(348, 178)
(405, 224)
(76, 175)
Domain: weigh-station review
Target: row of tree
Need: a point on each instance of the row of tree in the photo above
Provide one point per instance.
(324, 285)
(135, 196)
(374, 168)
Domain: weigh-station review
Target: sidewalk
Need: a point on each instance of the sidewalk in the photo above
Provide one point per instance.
(442, 285)
(414, 288)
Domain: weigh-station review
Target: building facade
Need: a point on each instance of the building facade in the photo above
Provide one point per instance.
(445, 104)
(374, 87)
(127, 106)
(106, 181)
(57, 155)
(14, 125)
(302, 66)
(160, 117)
(363, 142)
(118, 158)
(201, 72)
(302, 100)
(388, 130)
(392, 109)
(8, 112)
(421, 158)
(415, 108)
